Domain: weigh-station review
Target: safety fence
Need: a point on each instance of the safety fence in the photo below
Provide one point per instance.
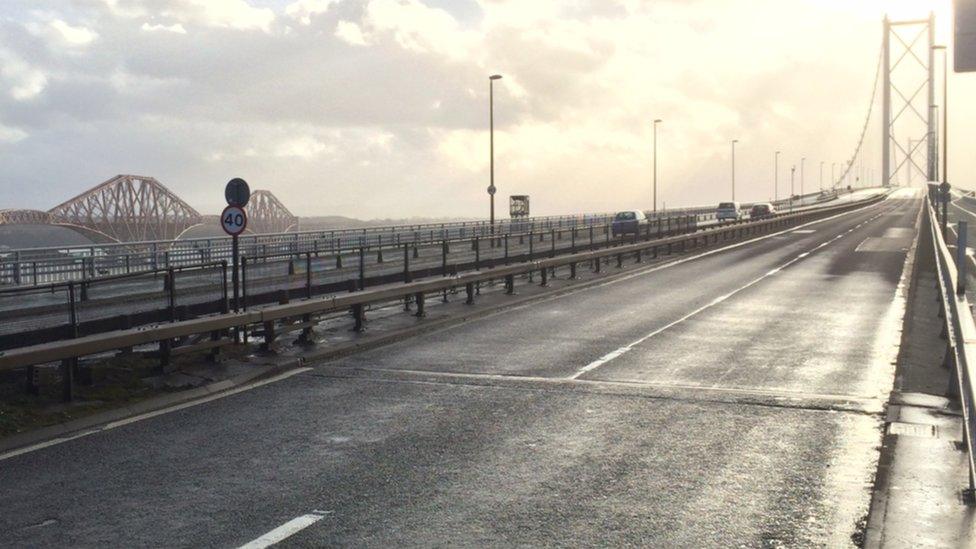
(960, 328)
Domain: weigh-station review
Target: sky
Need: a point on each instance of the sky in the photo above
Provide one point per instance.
(379, 108)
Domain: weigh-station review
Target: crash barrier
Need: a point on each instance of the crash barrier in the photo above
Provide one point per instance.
(51, 312)
(269, 323)
(960, 329)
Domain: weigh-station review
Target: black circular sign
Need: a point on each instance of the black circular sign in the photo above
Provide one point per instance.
(237, 192)
(491, 189)
(944, 188)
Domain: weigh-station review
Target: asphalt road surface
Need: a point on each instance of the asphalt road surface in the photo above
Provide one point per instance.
(728, 400)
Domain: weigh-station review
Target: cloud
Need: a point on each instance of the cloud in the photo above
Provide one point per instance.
(235, 14)
(304, 10)
(350, 33)
(22, 81)
(174, 28)
(11, 135)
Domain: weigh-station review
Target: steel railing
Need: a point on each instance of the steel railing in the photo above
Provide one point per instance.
(959, 323)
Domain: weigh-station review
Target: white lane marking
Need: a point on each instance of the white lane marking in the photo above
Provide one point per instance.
(147, 415)
(805, 231)
(627, 348)
(286, 530)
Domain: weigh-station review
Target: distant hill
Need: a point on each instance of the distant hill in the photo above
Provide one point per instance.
(43, 236)
(326, 222)
(39, 236)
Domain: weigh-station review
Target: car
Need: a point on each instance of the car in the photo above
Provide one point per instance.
(628, 222)
(761, 210)
(728, 211)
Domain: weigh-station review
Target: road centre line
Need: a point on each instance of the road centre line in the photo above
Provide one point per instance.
(286, 530)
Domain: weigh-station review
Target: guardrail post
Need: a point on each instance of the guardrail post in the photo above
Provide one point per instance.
(545, 277)
(469, 290)
(444, 258)
(406, 263)
(421, 300)
(308, 275)
(552, 239)
(506, 248)
(339, 261)
(362, 268)
(379, 254)
(359, 315)
(620, 261)
(961, 251)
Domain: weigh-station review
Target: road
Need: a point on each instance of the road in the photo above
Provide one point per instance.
(733, 399)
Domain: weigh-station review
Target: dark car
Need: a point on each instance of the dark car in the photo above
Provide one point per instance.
(761, 211)
(628, 222)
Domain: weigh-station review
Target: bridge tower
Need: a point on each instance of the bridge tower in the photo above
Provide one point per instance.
(908, 113)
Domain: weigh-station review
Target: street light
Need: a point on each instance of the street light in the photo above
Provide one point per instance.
(656, 122)
(945, 113)
(491, 122)
(776, 177)
(734, 141)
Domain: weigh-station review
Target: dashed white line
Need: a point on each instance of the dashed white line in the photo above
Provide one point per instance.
(286, 530)
(627, 348)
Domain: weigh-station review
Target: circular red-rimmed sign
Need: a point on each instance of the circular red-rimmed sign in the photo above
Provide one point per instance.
(233, 220)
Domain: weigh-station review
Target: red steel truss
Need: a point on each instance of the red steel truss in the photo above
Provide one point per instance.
(266, 214)
(133, 208)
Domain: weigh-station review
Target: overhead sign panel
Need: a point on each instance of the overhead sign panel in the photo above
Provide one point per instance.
(964, 43)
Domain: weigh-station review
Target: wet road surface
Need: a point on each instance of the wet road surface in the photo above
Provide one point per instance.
(729, 400)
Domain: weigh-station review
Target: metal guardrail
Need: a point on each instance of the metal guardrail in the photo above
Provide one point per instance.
(959, 323)
(68, 351)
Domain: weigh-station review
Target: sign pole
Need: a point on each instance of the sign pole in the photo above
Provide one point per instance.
(235, 276)
(234, 221)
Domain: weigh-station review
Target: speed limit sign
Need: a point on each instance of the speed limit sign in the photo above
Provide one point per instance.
(233, 220)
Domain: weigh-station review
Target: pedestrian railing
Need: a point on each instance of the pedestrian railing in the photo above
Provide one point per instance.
(960, 328)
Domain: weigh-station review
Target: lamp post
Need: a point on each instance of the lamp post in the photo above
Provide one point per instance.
(734, 141)
(776, 177)
(656, 122)
(491, 131)
(945, 113)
